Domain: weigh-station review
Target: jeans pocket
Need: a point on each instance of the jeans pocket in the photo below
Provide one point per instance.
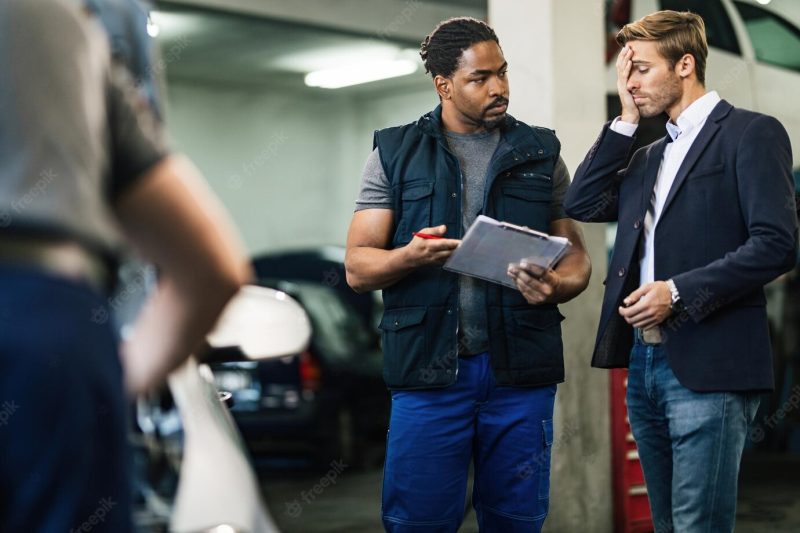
(547, 448)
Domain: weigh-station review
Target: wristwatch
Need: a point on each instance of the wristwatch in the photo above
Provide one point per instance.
(677, 303)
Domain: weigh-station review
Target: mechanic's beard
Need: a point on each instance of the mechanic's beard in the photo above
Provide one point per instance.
(492, 124)
(482, 122)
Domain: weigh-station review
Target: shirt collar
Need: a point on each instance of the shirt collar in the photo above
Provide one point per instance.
(694, 115)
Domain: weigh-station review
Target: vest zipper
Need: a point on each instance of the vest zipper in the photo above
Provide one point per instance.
(459, 233)
(460, 223)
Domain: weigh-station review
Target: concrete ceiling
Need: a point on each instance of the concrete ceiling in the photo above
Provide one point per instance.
(262, 42)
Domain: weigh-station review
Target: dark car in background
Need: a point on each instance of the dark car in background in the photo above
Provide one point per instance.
(328, 402)
(323, 265)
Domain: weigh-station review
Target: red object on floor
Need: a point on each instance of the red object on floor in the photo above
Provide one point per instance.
(631, 508)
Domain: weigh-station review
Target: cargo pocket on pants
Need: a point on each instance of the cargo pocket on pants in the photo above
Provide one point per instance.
(547, 449)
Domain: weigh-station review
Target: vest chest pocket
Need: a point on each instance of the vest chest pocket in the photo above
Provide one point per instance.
(416, 203)
(527, 204)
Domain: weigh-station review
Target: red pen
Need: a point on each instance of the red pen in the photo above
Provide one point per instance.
(427, 236)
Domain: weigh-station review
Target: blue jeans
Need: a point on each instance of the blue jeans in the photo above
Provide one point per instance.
(63, 444)
(433, 435)
(690, 445)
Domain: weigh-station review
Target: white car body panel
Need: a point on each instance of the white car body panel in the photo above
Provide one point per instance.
(264, 323)
(217, 487)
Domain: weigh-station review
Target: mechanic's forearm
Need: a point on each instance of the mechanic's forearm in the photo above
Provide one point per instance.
(370, 269)
(574, 271)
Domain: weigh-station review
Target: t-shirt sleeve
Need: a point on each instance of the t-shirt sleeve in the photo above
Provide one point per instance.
(137, 138)
(561, 182)
(376, 192)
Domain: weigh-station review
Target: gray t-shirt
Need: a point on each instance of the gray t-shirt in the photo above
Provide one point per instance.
(474, 153)
(73, 135)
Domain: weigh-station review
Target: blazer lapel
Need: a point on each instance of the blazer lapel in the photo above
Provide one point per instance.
(651, 173)
(708, 132)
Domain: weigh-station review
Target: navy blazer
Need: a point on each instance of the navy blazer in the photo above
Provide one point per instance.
(728, 227)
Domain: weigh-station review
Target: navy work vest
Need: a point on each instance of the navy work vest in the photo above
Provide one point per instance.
(420, 321)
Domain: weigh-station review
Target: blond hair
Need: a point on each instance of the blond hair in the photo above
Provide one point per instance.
(676, 34)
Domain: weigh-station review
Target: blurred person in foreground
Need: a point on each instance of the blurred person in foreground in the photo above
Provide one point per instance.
(83, 169)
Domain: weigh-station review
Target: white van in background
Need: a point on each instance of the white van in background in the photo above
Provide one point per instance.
(753, 60)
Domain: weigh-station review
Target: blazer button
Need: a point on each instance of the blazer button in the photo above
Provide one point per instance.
(454, 195)
(637, 224)
(621, 272)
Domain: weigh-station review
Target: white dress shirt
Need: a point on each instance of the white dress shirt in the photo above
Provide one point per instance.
(690, 122)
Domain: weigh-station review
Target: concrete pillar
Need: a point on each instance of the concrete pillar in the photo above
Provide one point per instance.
(555, 52)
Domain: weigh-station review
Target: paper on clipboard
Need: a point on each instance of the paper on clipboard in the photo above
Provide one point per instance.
(489, 246)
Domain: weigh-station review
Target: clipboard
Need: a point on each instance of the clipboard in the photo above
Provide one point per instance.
(489, 246)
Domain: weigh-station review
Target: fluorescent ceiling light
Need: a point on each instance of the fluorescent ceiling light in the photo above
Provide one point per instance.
(350, 63)
(763, 2)
(329, 55)
(335, 78)
(168, 25)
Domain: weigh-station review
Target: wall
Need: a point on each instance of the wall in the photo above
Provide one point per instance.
(557, 80)
(287, 165)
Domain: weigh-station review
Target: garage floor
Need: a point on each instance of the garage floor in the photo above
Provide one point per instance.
(349, 501)
(769, 495)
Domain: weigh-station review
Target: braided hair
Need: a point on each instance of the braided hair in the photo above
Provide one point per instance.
(442, 48)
